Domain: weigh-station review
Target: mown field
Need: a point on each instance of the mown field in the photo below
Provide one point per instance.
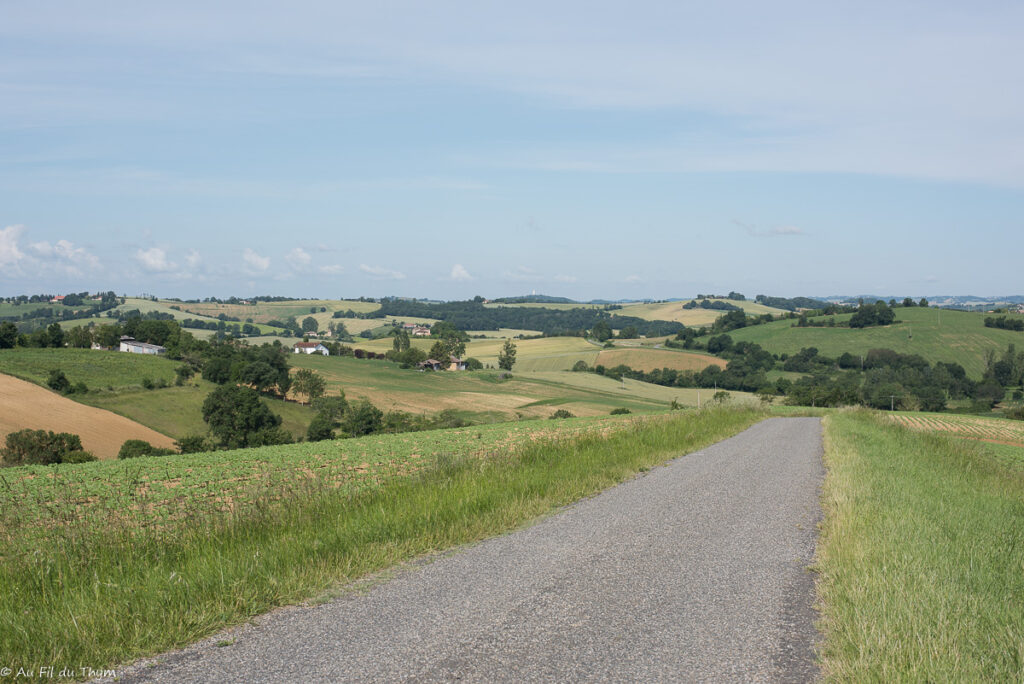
(921, 556)
(541, 354)
(995, 430)
(651, 359)
(262, 312)
(483, 396)
(674, 311)
(937, 335)
(103, 563)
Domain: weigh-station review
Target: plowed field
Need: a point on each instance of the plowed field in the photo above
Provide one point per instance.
(25, 405)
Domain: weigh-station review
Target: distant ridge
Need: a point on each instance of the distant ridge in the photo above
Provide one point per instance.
(534, 299)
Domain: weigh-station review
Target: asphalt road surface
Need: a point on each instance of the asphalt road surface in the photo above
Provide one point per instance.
(695, 571)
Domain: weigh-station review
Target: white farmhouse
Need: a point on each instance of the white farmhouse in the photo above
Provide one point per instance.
(132, 346)
(310, 348)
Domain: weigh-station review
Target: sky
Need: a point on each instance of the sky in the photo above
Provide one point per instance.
(450, 149)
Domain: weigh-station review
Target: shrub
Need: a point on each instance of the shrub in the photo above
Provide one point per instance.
(193, 444)
(561, 413)
(721, 396)
(133, 448)
(147, 382)
(473, 364)
(580, 366)
(362, 418)
(80, 388)
(620, 411)
(448, 418)
(39, 447)
(58, 382)
(79, 456)
(321, 427)
(1017, 413)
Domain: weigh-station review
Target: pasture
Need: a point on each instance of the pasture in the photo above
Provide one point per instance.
(544, 353)
(936, 334)
(24, 405)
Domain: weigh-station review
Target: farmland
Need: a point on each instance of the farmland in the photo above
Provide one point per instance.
(263, 312)
(482, 395)
(24, 405)
(105, 562)
(995, 430)
(937, 335)
(97, 369)
(651, 359)
(545, 353)
(674, 311)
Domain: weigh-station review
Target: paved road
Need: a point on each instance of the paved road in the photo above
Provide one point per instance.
(695, 571)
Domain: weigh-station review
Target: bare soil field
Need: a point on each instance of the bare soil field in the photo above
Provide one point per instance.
(25, 405)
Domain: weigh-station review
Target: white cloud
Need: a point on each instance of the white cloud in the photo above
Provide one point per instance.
(332, 269)
(193, 258)
(155, 260)
(459, 273)
(562, 278)
(10, 254)
(381, 273)
(254, 262)
(299, 259)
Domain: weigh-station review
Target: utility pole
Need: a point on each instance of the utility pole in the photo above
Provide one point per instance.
(892, 402)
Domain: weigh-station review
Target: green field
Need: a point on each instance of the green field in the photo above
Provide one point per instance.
(921, 556)
(937, 335)
(482, 396)
(261, 312)
(99, 370)
(545, 353)
(178, 411)
(107, 562)
(7, 309)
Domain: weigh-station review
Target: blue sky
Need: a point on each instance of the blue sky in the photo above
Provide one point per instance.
(584, 149)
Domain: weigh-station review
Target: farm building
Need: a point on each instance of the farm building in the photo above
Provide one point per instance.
(310, 348)
(131, 345)
(456, 364)
(421, 331)
(430, 364)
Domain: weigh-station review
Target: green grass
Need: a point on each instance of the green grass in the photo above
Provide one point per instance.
(97, 369)
(937, 335)
(178, 411)
(921, 558)
(105, 588)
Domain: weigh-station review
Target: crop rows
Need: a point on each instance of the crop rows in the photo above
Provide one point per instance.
(163, 493)
(977, 428)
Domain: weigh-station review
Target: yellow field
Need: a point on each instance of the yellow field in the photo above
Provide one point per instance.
(632, 389)
(263, 312)
(651, 359)
(974, 427)
(674, 311)
(24, 405)
(545, 353)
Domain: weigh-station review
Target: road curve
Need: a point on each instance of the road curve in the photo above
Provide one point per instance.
(695, 571)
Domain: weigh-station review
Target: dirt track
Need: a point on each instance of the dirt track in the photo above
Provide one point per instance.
(25, 405)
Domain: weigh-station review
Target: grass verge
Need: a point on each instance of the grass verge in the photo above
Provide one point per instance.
(921, 557)
(101, 594)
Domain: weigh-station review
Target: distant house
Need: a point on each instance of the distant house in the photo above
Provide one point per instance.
(57, 300)
(421, 331)
(310, 348)
(131, 345)
(456, 364)
(430, 364)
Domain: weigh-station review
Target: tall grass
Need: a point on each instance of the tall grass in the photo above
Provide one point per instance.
(98, 595)
(921, 557)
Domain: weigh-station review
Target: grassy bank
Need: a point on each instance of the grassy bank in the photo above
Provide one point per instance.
(106, 588)
(921, 556)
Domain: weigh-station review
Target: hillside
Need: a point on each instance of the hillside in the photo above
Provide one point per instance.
(674, 311)
(24, 405)
(935, 334)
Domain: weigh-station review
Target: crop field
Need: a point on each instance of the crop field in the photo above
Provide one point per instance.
(651, 359)
(999, 431)
(937, 335)
(97, 369)
(24, 405)
(169, 490)
(674, 311)
(262, 312)
(545, 353)
(631, 390)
